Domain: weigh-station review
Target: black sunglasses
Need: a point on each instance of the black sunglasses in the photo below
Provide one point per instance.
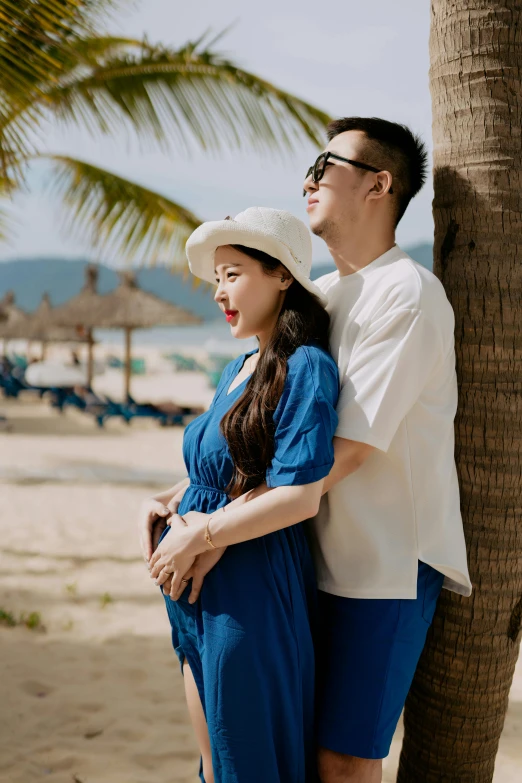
(317, 170)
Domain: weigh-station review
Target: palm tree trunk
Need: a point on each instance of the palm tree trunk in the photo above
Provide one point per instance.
(455, 711)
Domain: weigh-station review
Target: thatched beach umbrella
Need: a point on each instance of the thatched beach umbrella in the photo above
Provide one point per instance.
(78, 312)
(128, 307)
(41, 327)
(37, 326)
(15, 323)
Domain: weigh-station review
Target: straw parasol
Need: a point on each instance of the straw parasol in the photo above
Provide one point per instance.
(128, 307)
(77, 314)
(40, 327)
(20, 325)
(15, 323)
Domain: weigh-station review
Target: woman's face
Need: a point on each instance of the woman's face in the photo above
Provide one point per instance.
(249, 297)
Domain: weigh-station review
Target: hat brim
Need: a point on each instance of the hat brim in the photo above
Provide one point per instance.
(204, 241)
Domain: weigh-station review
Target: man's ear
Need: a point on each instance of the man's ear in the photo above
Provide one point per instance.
(382, 185)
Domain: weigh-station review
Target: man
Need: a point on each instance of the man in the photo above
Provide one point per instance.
(389, 531)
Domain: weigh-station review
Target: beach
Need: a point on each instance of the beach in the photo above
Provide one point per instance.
(94, 695)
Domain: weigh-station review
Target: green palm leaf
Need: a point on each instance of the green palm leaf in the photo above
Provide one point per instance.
(36, 37)
(119, 215)
(184, 96)
(33, 34)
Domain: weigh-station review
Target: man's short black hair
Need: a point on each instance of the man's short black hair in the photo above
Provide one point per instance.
(390, 147)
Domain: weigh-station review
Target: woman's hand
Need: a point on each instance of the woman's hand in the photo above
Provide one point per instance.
(171, 556)
(203, 563)
(152, 519)
(151, 512)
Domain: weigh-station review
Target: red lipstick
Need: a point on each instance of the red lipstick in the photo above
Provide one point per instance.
(230, 315)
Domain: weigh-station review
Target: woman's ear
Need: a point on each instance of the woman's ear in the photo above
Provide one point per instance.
(286, 281)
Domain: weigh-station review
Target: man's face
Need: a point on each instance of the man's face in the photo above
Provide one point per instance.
(338, 199)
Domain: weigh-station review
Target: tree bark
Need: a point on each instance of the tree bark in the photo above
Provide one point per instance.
(455, 711)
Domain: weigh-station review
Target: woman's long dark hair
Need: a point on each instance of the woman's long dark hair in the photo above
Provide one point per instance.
(248, 426)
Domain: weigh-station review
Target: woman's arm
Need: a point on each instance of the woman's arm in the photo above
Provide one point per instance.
(207, 560)
(271, 510)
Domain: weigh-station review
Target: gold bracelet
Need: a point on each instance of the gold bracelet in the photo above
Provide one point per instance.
(208, 537)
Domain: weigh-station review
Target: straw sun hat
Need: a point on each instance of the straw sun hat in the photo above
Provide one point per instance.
(273, 231)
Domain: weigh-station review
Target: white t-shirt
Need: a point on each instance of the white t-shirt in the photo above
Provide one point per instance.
(392, 336)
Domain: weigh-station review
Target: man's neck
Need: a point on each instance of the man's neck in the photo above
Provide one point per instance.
(356, 252)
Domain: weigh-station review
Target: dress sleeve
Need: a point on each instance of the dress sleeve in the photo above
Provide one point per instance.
(387, 372)
(305, 420)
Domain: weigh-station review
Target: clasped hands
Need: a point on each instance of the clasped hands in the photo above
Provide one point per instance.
(178, 558)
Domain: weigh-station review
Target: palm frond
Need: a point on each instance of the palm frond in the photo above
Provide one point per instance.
(36, 37)
(7, 221)
(33, 34)
(186, 96)
(4, 224)
(119, 216)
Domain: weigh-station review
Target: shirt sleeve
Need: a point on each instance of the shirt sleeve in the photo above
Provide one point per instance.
(305, 420)
(386, 373)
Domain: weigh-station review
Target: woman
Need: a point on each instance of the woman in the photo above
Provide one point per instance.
(246, 645)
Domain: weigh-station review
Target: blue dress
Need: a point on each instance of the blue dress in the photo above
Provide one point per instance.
(248, 638)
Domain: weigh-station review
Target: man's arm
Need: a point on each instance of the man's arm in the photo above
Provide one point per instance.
(349, 456)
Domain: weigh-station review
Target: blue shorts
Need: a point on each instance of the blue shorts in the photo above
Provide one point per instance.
(368, 650)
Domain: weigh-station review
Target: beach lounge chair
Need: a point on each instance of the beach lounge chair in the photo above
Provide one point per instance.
(59, 397)
(86, 400)
(166, 415)
(184, 363)
(13, 383)
(138, 365)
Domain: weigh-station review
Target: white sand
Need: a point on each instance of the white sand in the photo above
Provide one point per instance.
(98, 697)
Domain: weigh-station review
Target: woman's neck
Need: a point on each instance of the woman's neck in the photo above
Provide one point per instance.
(263, 339)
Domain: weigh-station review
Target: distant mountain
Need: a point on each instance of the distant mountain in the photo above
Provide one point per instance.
(422, 253)
(62, 279)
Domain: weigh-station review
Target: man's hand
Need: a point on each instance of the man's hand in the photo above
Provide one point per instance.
(154, 511)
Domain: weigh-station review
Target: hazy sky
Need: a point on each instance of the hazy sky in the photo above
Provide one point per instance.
(350, 58)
